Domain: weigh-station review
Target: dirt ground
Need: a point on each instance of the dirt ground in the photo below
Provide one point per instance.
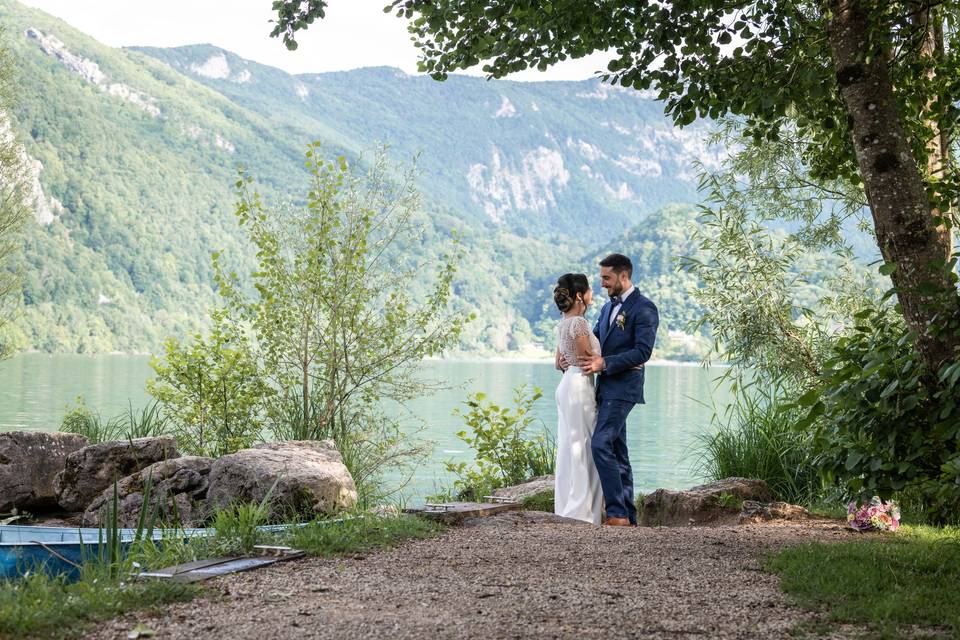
(514, 575)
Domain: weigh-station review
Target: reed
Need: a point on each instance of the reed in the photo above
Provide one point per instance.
(760, 442)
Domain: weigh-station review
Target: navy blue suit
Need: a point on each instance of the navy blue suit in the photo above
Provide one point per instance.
(625, 344)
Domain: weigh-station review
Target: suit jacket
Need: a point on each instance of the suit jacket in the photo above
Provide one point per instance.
(626, 345)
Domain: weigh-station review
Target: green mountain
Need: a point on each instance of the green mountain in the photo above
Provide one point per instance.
(136, 152)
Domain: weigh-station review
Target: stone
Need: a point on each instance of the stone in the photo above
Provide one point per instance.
(754, 512)
(309, 475)
(29, 463)
(541, 486)
(95, 467)
(385, 511)
(702, 504)
(178, 493)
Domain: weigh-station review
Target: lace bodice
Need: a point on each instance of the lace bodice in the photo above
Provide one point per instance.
(568, 331)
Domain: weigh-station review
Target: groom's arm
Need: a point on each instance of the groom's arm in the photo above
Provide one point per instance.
(644, 336)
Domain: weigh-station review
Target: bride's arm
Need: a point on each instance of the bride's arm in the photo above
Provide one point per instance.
(556, 360)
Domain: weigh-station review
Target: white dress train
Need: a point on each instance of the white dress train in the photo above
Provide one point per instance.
(577, 491)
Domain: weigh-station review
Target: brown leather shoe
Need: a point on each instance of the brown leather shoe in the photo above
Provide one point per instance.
(617, 522)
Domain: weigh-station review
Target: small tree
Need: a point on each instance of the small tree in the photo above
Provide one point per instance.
(212, 390)
(337, 324)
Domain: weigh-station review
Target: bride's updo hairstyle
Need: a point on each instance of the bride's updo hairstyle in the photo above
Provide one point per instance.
(568, 287)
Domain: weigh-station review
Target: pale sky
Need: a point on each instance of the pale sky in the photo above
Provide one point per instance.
(355, 33)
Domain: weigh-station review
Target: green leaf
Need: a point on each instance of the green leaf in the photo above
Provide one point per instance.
(809, 398)
(888, 268)
(853, 459)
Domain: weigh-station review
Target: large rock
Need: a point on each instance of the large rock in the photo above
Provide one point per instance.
(541, 486)
(703, 503)
(29, 463)
(95, 467)
(753, 512)
(310, 478)
(178, 491)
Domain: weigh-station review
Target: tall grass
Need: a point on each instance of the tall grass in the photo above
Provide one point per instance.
(759, 441)
(147, 422)
(150, 421)
(237, 525)
(88, 423)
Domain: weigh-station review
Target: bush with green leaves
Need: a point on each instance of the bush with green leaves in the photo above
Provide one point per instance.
(883, 423)
(507, 449)
(212, 389)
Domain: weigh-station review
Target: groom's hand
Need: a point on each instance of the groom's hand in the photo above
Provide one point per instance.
(591, 364)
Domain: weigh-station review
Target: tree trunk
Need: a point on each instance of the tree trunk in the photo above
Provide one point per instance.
(905, 223)
(305, 397)
(930, 25)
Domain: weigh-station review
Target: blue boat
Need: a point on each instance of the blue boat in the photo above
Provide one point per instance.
(60, 550)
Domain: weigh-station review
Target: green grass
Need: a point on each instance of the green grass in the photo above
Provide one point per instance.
(368, 533)
(539, 502)
(885, 584)
(42, 606)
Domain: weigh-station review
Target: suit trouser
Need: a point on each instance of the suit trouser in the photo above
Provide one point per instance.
(609, 446)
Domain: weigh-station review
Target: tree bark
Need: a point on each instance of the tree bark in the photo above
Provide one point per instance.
(906, 227)
(929, 27)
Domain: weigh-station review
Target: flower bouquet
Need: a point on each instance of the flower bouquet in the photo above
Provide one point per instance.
(876, 515)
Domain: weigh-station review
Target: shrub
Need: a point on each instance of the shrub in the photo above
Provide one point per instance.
(506, 452)
(884, 424)
(212, 389)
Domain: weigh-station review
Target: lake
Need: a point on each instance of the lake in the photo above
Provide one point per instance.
(35, 390)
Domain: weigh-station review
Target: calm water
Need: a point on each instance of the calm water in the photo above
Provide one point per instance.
(35, 390)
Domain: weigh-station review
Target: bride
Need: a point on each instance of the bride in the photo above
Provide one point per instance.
(577, 490)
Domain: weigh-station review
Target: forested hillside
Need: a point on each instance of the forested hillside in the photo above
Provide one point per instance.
(136, 153)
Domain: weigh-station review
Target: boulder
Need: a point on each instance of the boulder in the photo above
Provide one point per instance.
(754, 512)
(535, 487)
(29, 463)
(178, 491)
(309, 475)
(703, 503)
(95, 467)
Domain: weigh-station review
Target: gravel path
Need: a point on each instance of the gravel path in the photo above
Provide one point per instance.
(515, 575)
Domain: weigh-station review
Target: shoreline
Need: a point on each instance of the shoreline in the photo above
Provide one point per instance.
(520, 358)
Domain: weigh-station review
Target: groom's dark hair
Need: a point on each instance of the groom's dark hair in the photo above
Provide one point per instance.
(619, 263)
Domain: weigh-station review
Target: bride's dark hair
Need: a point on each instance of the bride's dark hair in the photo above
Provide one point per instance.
(569, 285)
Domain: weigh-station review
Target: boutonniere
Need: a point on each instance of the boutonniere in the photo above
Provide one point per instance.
(621, 320)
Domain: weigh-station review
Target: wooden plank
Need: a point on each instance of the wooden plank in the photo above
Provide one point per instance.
(190, 566)
(453, 512)
(234, 566)
(205, 569)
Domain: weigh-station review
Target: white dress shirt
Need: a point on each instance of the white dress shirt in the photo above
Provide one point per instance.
(616, 309)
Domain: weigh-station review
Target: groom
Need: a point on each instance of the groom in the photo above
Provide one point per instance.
(627, 329)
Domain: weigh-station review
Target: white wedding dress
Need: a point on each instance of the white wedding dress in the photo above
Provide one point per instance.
(577, 490)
